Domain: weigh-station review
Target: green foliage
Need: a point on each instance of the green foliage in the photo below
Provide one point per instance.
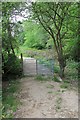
(50, 92)
(74, 52)
(56, 79)
(45, 62)
(58, 103)
(42, 78)
(71, 70)
(50, 43)
(64, 85)
(43, 56)
(71, 49)
(10, 30)
(50, 86)
(71, 37)
(10, 101)
(8, 26)
(12, 65)
(59, 100)
(66, 81)
(56, 69)
(35, 36)
(61, 22)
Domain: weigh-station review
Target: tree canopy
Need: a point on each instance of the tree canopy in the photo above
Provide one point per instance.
(42, 22)
(59, 21)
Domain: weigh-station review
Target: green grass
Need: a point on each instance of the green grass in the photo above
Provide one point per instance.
(50, 92)
(58, 107)
(50, 86)
(58, 103)
(71, 70)
(55, 78)
(66, 81)
(10, 101)
(64, 85)
(59, 100)
(41, 78)
(56, 69)
(45, 62)
(63, 91)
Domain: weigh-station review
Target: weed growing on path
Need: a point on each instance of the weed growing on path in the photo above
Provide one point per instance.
(42, 78)
(50, 92)
(58, 103)
(64, 85)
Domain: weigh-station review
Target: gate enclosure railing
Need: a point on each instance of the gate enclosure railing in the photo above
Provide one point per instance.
(45, 67)
(31, 66)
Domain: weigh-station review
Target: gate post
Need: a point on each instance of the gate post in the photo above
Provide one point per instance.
(22, 63)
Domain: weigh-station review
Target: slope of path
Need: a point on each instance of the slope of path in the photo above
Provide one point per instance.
(31, 67)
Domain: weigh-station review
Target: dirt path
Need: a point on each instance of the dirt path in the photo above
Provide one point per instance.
(46, 100)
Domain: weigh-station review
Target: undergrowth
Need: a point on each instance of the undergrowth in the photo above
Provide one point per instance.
(10, 100)
(41, 78)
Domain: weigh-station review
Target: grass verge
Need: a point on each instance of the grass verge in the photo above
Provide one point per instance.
(9, 99)
(64, 85)
(42, 78)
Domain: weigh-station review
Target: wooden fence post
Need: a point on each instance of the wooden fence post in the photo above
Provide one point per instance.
(22, 62)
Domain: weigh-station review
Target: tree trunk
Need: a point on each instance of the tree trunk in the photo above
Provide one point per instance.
(61, 59)
(62, 64)
(61, 71)
(12, 48)
(9, 33)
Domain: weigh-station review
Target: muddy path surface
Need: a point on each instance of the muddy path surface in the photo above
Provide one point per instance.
(45, 99)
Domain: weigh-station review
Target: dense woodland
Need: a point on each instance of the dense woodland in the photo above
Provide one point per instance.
(47, 25)
(44, 31)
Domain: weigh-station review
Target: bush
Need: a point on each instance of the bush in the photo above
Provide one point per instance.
(12, 65)
(10, 101)
(71, 69)
(64, 85)
(56, 78)
(56, 69)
